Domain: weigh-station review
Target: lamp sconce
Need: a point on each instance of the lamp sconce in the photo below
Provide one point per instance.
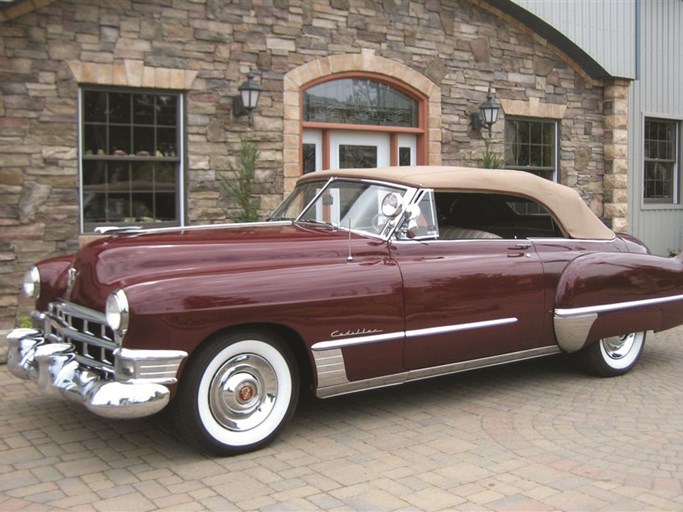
(247, 100)
(487, 115)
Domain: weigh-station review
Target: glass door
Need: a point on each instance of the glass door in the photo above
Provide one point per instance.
(349, 150)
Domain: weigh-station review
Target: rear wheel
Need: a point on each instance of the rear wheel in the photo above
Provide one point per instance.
(615, 355)
(238, 393)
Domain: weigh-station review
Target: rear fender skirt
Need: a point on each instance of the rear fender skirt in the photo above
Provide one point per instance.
(609, 294)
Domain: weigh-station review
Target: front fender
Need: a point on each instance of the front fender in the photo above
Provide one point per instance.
(311, 300)
(609, 294)
(53, 281)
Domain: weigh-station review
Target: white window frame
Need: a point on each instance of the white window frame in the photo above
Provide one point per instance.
(556, 146)
(654, 203)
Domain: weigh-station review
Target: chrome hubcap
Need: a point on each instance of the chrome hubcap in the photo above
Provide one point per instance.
(617, 347)
(243, 392)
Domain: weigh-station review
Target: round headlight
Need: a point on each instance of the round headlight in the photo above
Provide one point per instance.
(117, 311)
(31, 284)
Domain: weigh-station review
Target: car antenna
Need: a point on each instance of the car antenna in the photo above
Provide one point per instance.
(349, 258)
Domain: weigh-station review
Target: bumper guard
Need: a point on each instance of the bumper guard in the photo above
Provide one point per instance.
(138, 390)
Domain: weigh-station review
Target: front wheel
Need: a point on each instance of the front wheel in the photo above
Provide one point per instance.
(613, 356)
(237, 393)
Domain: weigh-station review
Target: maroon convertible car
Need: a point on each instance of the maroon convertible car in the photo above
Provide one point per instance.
(360, 279)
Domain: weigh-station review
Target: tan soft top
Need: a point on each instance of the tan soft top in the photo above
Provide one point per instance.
(570, 211)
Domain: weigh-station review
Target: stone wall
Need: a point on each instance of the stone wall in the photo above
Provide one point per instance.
(460, 46)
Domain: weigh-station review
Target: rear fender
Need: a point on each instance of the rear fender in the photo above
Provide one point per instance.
(610, 294)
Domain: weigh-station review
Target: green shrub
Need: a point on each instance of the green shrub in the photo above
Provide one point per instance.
(239, 186)
(491, 158)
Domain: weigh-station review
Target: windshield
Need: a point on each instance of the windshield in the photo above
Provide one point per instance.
(357, 205)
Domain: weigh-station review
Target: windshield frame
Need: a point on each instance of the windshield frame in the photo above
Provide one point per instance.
(410, 193)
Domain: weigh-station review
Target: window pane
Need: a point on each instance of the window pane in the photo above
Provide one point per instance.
(118, 208)
(551, 154)
(536, 133)
(548, 135)
(309, 158)
(95, 207)
(119, 108)
(119, 140)
(165, 176)
(94, 174)
(359, 101)
(523, 132)
(95, 106)
(143, 177)
(166, 141)
(535, 159)
(167, 107)
(404, 156)
(143, 141)
(523, 158)
(355, 157)
(143, 109)
(165, 207)
(95, 139)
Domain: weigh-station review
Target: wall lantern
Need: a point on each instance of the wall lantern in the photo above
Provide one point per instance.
(487, 114)
(245, 103)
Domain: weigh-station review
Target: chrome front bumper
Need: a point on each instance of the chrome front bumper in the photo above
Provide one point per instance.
(137, 388)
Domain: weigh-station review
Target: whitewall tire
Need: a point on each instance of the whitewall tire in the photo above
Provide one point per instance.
(237, 393)
(615, 355)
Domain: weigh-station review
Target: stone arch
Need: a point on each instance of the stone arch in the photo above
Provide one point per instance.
(368, 62)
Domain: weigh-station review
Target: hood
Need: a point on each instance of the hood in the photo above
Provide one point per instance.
(126, 259)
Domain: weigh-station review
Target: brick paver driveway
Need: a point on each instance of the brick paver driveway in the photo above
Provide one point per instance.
(533, 436)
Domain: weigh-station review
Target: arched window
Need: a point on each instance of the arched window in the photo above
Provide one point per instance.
(361, 120)
(360, 101)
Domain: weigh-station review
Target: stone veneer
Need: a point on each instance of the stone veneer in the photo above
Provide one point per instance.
(616, 155)
(450, 50)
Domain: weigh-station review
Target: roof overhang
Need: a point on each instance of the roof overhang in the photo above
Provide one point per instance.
(553, 36)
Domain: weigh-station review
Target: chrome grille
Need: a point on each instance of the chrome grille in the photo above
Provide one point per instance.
(86, 330)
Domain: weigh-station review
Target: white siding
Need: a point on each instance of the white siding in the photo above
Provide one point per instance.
(606, 30)
(658, 93)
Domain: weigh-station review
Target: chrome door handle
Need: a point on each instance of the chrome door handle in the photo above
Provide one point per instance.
(522, 246)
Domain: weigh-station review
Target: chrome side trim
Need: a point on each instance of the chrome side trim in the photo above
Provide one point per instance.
(155, 366)
(374, 338)
(616, 306)
(460, 327)
(572, 325)
(423, 373)
(360, 340)
(483, 362)
(330, 368)
(236, 225)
